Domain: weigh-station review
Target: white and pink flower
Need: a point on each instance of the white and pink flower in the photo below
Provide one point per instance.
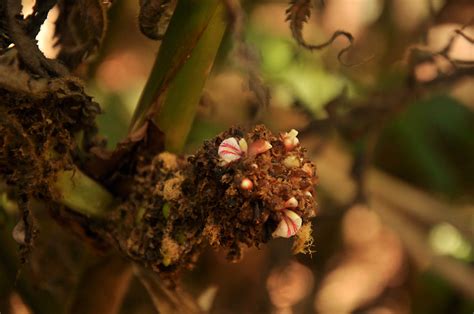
(289, 225)
(291, 221)
(231, 150)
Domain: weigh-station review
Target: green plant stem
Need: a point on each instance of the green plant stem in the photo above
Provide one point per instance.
(170, 96)
(186, 56)
(82, 194)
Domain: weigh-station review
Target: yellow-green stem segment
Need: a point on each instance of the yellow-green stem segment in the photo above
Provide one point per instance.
(82, 194)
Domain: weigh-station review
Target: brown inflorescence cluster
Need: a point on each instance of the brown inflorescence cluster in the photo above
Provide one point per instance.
(237, 190)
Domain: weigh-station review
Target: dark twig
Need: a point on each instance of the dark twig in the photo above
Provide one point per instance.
(29, 52)
(39, 15)
(466, 37)
(418, 55)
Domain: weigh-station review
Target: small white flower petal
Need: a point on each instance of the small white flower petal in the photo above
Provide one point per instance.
(289, 225)
(243, 145)
(293, 133)
(291, 203)
(290, 140)
(229, 150)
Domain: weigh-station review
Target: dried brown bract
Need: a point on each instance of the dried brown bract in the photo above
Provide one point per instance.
(235, 191)
(80, 28)
(154, 17)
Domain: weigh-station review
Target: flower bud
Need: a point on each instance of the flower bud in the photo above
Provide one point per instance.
(258, 147)
(289, 225)
(246, 184)
(291, 162)
(291, 203)
(229, 150)
(290, 140)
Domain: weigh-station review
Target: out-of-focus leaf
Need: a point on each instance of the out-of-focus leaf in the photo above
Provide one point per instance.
(432, 145)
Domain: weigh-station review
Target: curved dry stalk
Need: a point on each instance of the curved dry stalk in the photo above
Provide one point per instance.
(298, 13)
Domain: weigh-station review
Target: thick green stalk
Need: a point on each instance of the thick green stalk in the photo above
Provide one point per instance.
(186, 56)
(82, 194)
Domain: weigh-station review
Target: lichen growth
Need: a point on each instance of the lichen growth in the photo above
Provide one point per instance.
(304, 240)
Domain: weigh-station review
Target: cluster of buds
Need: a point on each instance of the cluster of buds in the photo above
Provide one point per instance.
(238, 189)
(232, 150)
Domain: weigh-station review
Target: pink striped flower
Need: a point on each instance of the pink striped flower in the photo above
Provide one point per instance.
(289, 225)
(231, 150)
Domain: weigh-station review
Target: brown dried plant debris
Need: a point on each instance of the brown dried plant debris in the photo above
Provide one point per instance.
(154, 17)
(229, 204)
(38, 121)
(80, 29)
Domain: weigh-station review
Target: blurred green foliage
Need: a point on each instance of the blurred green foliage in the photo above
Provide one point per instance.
(431, 145)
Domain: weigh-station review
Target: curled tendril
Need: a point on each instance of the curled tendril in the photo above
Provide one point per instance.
(298, 13)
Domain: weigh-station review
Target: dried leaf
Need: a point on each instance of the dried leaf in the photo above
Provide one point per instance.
(154, 17)
(80, 28)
